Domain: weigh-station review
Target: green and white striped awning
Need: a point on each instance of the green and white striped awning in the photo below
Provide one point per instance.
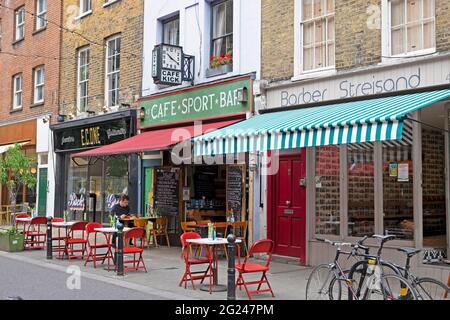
(370, 120)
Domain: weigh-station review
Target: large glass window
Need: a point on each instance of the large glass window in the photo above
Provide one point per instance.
(361, 190)
(222, 28)
(83, 79)
(116, 181)
(317, 34)
(398, 210)
(77, 180)
(412, 25)
(327, 190)
(171, 31)
(113, 71)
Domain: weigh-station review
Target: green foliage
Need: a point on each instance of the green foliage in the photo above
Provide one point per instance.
(16, 170)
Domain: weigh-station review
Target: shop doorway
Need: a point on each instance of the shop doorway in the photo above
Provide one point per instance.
(288, 207)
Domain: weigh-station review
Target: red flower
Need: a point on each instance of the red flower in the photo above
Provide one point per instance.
(228, 56)
(222, 55)
(212, 58)
(220, 59)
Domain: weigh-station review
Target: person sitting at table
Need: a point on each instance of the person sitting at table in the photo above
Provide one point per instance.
(122, 211)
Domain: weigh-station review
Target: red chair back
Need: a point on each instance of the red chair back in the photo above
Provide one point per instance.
(39, 220)
(58, 220)
(188, 236)
(135, 234)
(78, 226)
(261, 246)
(22, 215)
(91, 226)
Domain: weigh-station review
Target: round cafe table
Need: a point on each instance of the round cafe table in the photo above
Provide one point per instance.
(108, 232)
(213, 245)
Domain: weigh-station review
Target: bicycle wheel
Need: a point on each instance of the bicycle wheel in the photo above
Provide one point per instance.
(431, 289)
(389, 287)
(318, 285)
(339, 288)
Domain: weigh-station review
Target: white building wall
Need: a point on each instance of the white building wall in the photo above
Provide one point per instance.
(195, 26)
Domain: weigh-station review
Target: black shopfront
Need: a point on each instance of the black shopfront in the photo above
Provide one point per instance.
(87, 187)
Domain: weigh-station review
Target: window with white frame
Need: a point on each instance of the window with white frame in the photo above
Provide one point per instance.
(112, 71)
(17, 92)
(41, 14)
(85, 6)
(20, 24)
(39, 75)
(83, 79)
(411, 26)
(318, 36)
(222, 28)
(171, 31)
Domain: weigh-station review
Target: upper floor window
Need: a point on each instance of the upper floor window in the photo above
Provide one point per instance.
(41, 14)
(83, 79)
(17, 92)
(222, 28)
(112, 71)
(20, 24)
(411, 26)
(171, 31)
(85, 6)
(39, 75)
(317, 32)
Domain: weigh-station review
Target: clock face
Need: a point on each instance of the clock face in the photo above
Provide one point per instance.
(172, 57)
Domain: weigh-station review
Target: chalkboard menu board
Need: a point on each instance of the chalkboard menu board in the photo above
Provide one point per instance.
(167, 191)
(234, 189)
(204, 186)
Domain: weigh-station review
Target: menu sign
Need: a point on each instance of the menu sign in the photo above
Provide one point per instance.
(167, 191)
(235, 175)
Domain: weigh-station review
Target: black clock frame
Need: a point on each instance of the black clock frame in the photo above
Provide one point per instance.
(186, 73)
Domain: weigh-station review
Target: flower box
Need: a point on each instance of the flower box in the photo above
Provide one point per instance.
(11, 242)
(223, 69)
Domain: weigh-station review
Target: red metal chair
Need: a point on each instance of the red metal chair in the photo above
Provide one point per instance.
(58, 238)
(134, 234)
(76, 237)
(36, 234)
(190, 261)
(93, 244)
(263, 247)
(22, 215)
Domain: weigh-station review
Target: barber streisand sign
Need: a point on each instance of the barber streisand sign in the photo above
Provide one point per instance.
(358, 84)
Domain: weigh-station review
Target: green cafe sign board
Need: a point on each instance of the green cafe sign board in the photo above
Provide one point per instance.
(206, 102)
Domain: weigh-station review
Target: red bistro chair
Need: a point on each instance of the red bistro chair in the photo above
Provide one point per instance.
(190, 261)
(22, 215)
(76, 237)
(134, 234)
(36, 234)
(58, 238)
(93, 244)
(261, 246)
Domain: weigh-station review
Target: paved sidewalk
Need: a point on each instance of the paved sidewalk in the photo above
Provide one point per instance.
(165, 269)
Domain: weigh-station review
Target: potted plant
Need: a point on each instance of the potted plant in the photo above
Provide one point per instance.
(16, 171)
(220, 64)
(11, 240)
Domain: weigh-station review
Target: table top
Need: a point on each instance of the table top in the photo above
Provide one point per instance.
(24, 219)
(110, 230)
(63, 224)
(138, 218)
(211, 242)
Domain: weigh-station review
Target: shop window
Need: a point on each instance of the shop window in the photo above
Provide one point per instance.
(327, 191)
(398, 213)
(77, 178)
(361, 190)
(434, 204)
(317, 24)
(116, 181)
(412, 26)
(171, 31)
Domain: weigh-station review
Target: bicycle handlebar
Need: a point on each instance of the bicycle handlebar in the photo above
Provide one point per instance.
(336, 244)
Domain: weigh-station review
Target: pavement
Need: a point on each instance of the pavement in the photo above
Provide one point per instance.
(30, 275)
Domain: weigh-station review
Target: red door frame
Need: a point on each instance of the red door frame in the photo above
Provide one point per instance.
(271, 216)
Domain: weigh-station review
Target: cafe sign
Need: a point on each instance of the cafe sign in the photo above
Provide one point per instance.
(200, 103)
(90, 136)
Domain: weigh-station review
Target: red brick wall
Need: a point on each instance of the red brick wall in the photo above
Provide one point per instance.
(45, 43)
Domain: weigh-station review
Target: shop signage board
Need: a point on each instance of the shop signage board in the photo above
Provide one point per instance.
(236, 190)
(199, 103)
(167, 181)
(375, 80)
(90, 136)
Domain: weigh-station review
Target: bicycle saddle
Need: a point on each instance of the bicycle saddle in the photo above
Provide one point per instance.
(409, 251)
(384, 238)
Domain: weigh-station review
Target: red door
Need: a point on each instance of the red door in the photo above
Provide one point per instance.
(289, 207)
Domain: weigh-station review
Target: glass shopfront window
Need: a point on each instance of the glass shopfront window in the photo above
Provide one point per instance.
(327, 191)
(77, 180)
(116, 181)
(398, 213)
(361, 190)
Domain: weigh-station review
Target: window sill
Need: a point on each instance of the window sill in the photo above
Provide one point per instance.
(214, 72)
(315, 74)
(389, 60)
(84, 15)
(15, 42)
(35, 32)
(109, 3)
(37, 104)
(15, 110)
